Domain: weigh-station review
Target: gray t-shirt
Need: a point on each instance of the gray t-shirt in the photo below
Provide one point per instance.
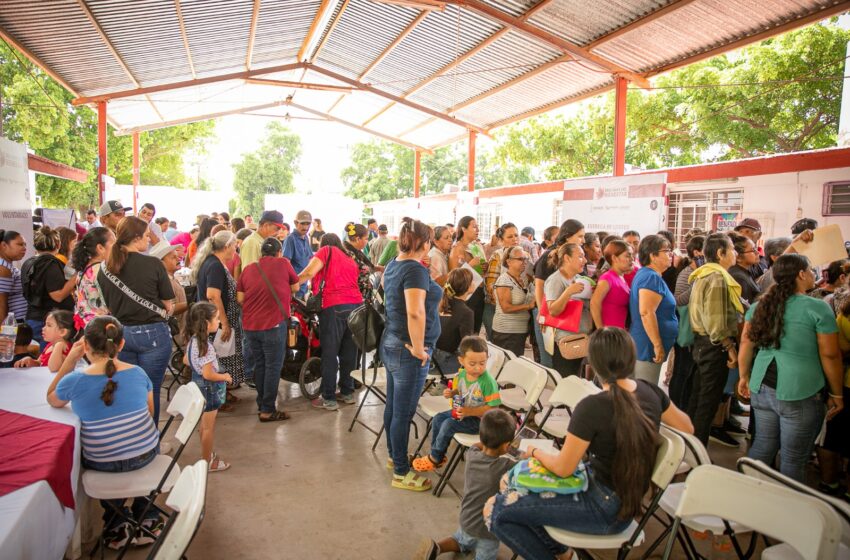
(482, 481)
(552, 290)
(516, 323)
(439, 263)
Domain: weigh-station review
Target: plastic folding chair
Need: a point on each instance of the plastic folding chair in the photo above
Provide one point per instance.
(567, 394)
(528, 376)
(667, 460)
(515, 398)
(187, 499)
(159, 475)
(497, 357)
(759, 470)
(809, 526)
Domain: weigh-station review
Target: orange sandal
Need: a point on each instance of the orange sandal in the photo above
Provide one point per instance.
(426, 464)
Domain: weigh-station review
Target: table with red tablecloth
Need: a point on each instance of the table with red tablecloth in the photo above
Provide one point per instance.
(39, 468)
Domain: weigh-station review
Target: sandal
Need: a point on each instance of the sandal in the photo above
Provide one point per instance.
(427, 464)
(217, 465)
(411, 481)
(227, 407)
(276, 416)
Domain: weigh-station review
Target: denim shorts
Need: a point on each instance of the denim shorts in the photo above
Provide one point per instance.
(214, 392)
(485, 549)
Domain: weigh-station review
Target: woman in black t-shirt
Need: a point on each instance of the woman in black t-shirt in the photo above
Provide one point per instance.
(456, 320)
(138, 293)
(43, 281)
(619, 428)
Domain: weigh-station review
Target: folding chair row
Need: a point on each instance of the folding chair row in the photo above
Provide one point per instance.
(560, 404)
(188, 500)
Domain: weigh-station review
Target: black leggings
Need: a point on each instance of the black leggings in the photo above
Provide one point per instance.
(476, 304)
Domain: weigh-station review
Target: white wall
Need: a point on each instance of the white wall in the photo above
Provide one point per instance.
(16, 193)
(179, 205)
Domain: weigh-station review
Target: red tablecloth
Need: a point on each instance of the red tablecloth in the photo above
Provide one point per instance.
(31, 450)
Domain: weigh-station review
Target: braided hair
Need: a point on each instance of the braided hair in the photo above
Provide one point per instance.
(104, 335)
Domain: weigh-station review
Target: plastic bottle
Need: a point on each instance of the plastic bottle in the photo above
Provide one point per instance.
(457, 402)
(8, 334)
(721, 547)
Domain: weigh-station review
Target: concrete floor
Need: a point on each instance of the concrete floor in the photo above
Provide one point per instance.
(307, 488)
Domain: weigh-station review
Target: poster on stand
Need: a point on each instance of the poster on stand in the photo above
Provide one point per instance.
(15, 199)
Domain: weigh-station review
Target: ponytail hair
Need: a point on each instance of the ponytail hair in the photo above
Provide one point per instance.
(457, 284)
(556, 257)
(413, 235)
(104, 335)
(66, 320)
(612, 356)
(86, 249)
(355, 231)
(503, 229)
(218, 242)
(46, 239)
(333, 240)
(129, 230)
(200, 315)
(768, 319)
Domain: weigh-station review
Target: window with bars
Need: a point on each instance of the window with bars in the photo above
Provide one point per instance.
(688, 210)
(836, 198)
(489, 218)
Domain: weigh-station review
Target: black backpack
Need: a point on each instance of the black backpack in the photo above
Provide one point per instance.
(32, 278)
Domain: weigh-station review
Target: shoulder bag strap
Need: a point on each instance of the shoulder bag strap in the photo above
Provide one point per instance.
(271, 289)
(131, 294)
(327, 269)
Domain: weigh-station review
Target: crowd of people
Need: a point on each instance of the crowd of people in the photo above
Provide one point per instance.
(743, 327)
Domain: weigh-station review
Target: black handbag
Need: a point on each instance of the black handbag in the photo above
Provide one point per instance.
(313, 305)
(366, 326)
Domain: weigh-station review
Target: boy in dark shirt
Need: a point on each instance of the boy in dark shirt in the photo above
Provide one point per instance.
(485, 464)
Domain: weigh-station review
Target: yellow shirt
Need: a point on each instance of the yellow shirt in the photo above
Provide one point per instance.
(844, 343)
(250, 251)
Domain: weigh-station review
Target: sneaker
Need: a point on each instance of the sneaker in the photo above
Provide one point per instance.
(732, 421)
(250, 383)
(155, 526)
(731, 428)
(346, 399)
(738, 409)
(428, 550)
(322, 403)
(117, 537)
(718, 435)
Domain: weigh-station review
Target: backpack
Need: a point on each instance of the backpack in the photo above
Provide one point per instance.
(32, 278)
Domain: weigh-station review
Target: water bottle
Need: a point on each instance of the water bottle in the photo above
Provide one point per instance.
(8, 334)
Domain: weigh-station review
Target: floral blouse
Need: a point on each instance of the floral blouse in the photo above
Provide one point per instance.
(90, 302)
(365, 266)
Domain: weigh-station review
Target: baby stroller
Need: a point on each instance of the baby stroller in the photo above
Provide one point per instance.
(303, 363)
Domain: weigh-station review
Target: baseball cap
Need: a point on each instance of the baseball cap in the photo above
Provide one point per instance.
(749, 223)
(111, 206)
(303, 216)
(161, 249)
(528, 231)
(272, 216)
(383, 228)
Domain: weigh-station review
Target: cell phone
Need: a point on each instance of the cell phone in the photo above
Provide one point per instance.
(524, 433)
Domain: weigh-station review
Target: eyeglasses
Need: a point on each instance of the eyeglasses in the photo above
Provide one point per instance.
(517, 258)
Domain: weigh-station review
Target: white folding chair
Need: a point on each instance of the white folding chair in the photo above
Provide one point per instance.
(497, 357)
(667, 460)
(757, 469)
(187, 500)
(516, 397)
(809, 526)
(526, 375)
(695, 456)
(560, 404)
(159, 475)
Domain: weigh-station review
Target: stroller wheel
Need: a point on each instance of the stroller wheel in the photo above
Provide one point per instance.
(310, 379)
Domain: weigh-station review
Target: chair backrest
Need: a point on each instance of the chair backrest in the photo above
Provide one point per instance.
(571, 390)
(807, 524)
(187, 500)
(758, 469)
(496, 358)
(695, 452)
(524, 375)
(668, 458)
(188, 402)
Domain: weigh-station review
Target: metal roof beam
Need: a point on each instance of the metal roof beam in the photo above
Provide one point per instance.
(299, 85)
(331, 28)
(185, 37)
(640, 22)
(252, 33)
(315, 28)
(187, 83)
(550, 38)
(404, 33)
(427, 110)
(35, 60)
(198, 118)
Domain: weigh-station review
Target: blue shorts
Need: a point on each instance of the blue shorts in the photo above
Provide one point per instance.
(215, 393)
(485, 549)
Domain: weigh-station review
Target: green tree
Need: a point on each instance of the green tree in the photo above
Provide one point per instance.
(271, 169)
(38, 111)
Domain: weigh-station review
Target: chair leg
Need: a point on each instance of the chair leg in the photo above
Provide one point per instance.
(424, 438)
(449, 471)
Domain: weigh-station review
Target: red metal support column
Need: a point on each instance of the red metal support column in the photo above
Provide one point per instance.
(417, 173)
(471, 162)
(620, 127)
(101, 148)
(135, 168)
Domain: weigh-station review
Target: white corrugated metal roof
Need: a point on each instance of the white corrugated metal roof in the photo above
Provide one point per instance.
(421, 79)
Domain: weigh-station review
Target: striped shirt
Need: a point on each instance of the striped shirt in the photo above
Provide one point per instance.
(14, 291)
(117, 432)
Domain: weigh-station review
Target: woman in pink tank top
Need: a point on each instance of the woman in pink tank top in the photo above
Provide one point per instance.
(609, 305)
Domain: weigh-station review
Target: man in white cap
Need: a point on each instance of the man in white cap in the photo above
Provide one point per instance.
(170, 256)
(112, 212)
(297, 248)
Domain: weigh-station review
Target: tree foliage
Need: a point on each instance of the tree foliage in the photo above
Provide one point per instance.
(38, 111)
(271, 169)
(782, 95)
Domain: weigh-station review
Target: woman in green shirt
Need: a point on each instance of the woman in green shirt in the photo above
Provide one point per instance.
(798, 356)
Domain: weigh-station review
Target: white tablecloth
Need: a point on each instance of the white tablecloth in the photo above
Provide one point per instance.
(33, 524)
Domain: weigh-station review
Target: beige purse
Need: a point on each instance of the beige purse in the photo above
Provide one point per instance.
(573, 346)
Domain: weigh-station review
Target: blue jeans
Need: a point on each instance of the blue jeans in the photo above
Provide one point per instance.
(405, 380)
(36, 332)
(520, 524)
(339, 353)
(268, 349)
(443, 429)
(485, 549)
(545, 357)
(149, 347)
(110, 520)
(788, 425)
